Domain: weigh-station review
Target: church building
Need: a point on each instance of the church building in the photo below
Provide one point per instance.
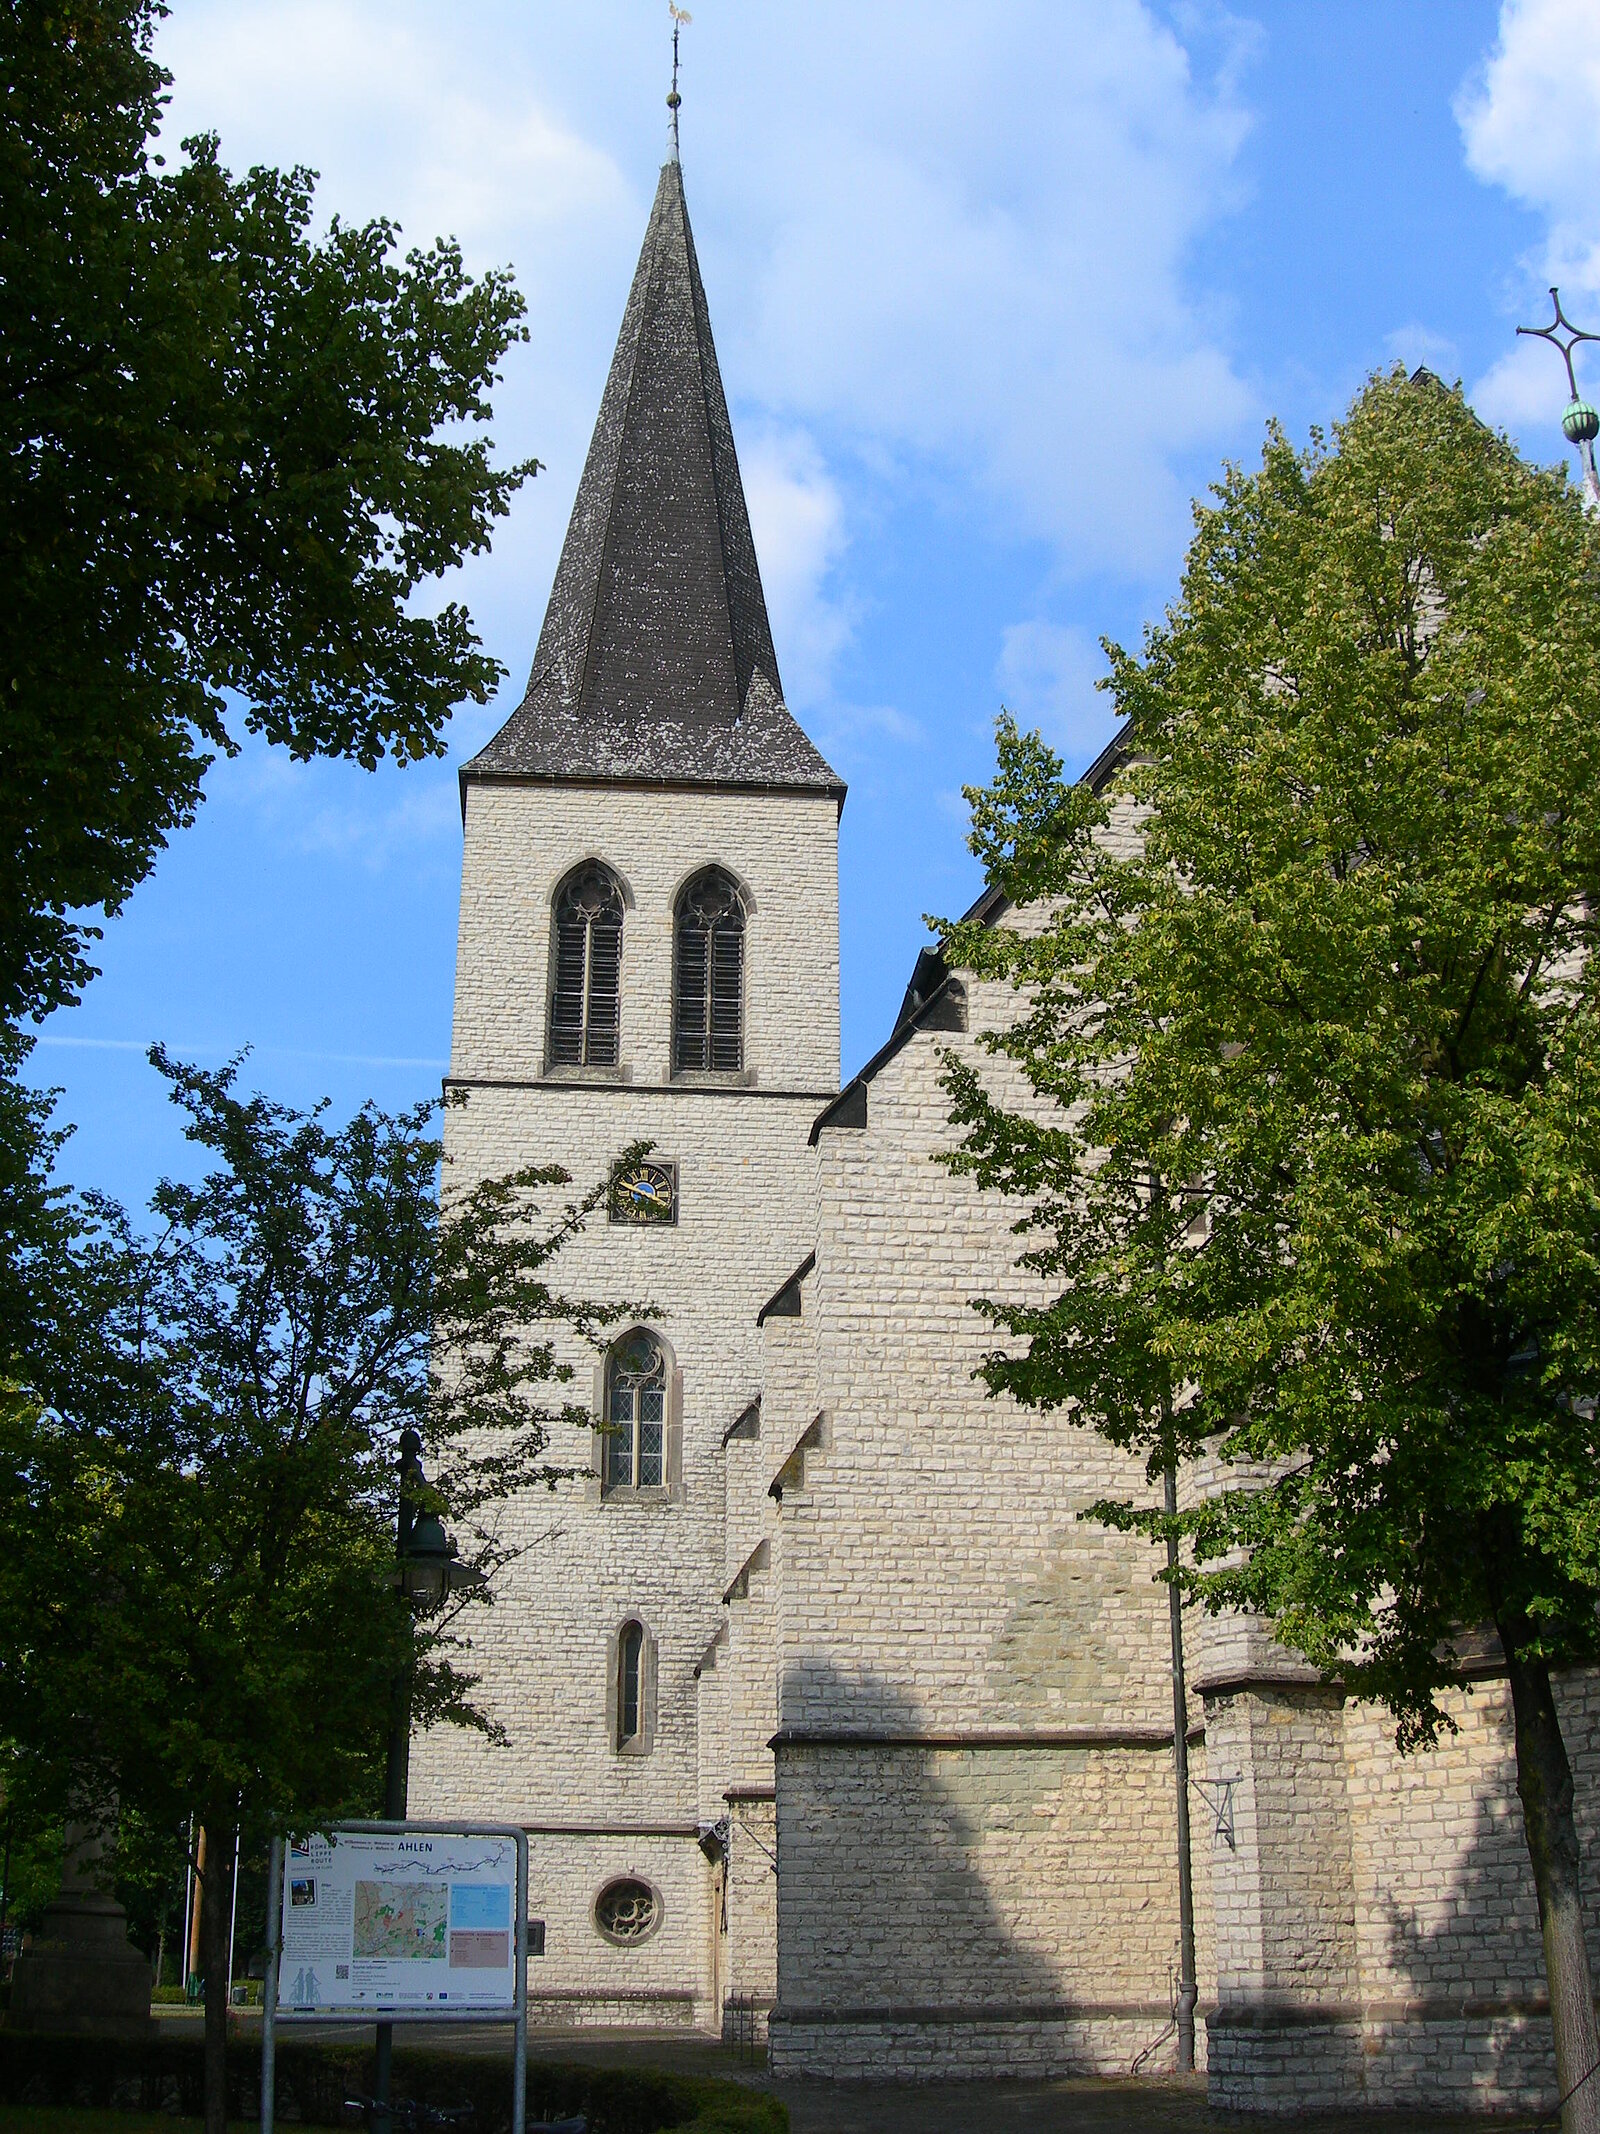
(826, 1708)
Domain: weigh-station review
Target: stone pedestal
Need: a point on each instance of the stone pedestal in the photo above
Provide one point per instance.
(81, 1974)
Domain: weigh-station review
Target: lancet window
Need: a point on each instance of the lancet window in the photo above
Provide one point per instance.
(636, 1414)
(708, 1016)
(585, 997)
(630, 1684)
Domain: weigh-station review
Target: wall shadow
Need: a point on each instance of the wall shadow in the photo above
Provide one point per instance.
(1453, 1969)
(954, 1909)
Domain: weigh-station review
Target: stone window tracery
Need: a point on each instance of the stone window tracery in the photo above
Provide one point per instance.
(636, 1414)
(627, 1911)
(585, 994)
(708, 991)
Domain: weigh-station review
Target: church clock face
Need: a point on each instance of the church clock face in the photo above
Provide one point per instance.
(646, 1192)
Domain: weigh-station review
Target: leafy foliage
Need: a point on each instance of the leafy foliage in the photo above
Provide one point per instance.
(226, 464)
(1313, 1191)
(198, 1474)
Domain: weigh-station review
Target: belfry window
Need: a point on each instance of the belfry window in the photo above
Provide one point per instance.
(636, 1414)
(708, 1017)
(585, 996)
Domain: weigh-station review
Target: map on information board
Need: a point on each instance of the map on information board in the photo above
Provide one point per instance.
(421, 1924)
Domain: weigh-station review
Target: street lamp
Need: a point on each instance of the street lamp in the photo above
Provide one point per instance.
(427, 1571)
(1581, 422)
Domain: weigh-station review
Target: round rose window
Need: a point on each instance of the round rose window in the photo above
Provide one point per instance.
(627, 1912)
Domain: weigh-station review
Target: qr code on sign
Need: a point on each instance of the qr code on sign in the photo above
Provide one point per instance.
(341, 1970)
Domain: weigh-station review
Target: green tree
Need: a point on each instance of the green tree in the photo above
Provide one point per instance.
(230, 452)
(197, 1610)
(1312, 1184)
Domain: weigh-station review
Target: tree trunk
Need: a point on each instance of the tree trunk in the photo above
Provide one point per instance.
(1544, 1781)
(215, 1900)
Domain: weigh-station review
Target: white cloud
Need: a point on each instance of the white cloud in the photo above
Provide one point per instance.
(946, 248)
(1530, 122)
(797, 517)
(969, 231)
(397, 816)
(1416, 343)
(1046, 675)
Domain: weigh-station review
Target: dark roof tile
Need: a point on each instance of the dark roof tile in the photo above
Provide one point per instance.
(655, 662)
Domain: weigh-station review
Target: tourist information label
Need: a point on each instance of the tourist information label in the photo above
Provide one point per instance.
(418, 1925)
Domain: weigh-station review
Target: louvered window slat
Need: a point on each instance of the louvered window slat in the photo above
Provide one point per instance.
(586, 994)
(605, 989)
(727, 997)
(691, 994)
(709, 1019)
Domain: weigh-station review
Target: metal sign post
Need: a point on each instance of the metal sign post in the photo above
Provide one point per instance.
(425, 1905)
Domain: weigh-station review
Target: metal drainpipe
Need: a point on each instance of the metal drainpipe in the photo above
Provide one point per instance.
(1188, 1987)
(397, 1772)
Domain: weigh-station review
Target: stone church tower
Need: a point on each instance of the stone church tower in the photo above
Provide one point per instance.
(648, 951)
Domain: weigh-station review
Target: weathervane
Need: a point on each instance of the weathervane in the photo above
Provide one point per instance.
(1580, 423)
(680, 16)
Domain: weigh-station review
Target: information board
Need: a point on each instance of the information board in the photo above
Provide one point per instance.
(421, 1924)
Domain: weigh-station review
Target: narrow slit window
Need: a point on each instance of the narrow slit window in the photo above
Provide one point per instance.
(586, 997)
(636, 1415)
(630, 1671)
(708, 1029)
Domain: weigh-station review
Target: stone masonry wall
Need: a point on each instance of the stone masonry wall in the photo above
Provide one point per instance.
(975, 1796)
(1378, 1937)
(970, 1910)
(521, 842)
(583, 1978)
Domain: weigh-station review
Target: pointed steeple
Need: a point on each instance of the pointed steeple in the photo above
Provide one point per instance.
(655, 662)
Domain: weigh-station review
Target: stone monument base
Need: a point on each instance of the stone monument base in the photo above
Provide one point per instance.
(81, 1975)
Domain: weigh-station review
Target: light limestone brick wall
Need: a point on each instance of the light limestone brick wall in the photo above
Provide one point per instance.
(970, 1910)
(589, 1563)
(1285, 1893)
(1436, 1994)
(752, 1898)
(752, 1684)
(1452, 1971)
(711, 1729)
(941, 1547)
(523, 840)
(1002, 1896)
(584, 1978)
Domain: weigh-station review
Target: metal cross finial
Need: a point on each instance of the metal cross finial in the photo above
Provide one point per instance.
(1580, 423)
(680, 16)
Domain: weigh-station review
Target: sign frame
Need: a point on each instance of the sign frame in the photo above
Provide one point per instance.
(430, 2013)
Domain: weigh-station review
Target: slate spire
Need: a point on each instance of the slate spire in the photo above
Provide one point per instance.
(655, 662)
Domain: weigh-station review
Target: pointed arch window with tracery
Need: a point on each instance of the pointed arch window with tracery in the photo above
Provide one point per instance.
(708, 991)
(636, 1414)
(586, 989)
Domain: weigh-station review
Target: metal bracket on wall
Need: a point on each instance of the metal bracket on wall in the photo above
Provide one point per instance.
(1217, 1793)
(759, 1843)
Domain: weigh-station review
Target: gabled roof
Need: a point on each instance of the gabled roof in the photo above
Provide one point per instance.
(935, 999)
(655, 663)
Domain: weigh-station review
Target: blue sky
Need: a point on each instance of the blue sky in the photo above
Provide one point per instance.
(996, 290)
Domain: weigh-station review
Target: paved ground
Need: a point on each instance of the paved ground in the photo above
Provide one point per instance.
(1072, 2105)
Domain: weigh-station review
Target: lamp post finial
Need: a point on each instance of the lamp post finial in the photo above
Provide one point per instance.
(1581, 422)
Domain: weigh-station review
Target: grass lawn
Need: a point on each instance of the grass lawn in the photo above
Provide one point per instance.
(78, 2119)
